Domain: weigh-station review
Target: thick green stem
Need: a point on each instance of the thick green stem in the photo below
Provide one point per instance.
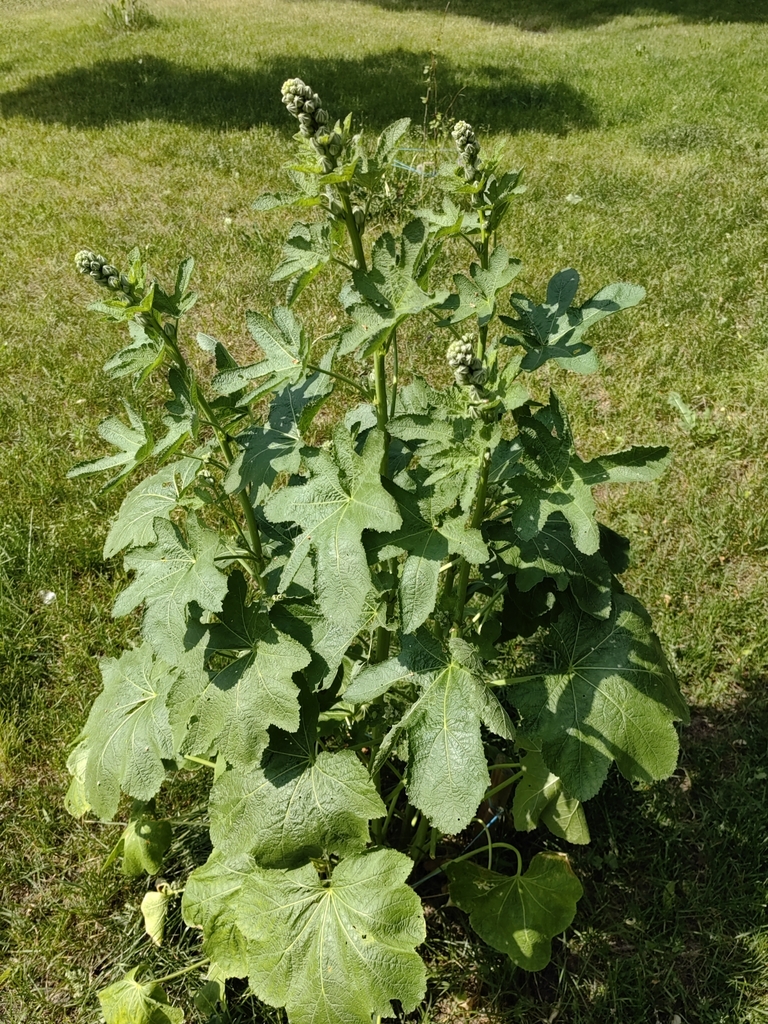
(352, 229)
(476, 522)
(226, 449)
(416, 851)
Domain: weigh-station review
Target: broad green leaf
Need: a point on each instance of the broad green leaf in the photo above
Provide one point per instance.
(307, 192)
(427, 543)
(169, 575)
(129, 1001)
(630, 466)
(387, 142)
(297, 804)
(154, 498)
(144, 354)
(210, 903)
(521, 914)
(447, 773)
(276, 446)
(145, 842)
(180, 419)
(327, 640)
(555, 329)
(452, 448)
(252, 684)
(128, 734)
(134, 444)
(306, 251)
(609, 695)
(75, 800)
(540, 797)
(552, 554)
(154, 910)
(181, 300)
(477, 297)
(343, 497)
(335, 951)
(551, 481)
(286, 350)
(389, 291)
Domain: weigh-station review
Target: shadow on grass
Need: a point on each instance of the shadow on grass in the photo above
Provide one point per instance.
(673, 922)
(542, 15)
(378, 90)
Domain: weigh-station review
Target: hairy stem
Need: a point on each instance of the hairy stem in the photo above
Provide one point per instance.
(475, 523)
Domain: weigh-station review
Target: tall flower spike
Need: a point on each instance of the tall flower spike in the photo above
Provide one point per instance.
(467, 368)
(469, 150)
(305, 106)
(87, 262)
(313, 120)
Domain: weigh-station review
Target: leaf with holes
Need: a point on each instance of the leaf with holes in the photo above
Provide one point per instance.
(335, 951)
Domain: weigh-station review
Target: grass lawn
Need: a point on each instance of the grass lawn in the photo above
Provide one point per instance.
(643, 131)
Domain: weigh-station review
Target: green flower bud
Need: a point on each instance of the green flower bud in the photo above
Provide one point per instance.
(460, 353)
(83, 261)
(468, 150)
(304, 104)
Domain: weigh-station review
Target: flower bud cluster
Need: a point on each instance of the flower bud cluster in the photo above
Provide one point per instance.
(469, 150)
(468, 370)
(313, 120)
(101, 271)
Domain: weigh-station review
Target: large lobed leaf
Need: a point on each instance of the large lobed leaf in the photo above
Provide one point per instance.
(136, 724)
(390, 291)
(518, 915)
(297, 803)
(447, 772)
(336, 950)
(343, 497)
(609, 695)
(251, 686)
(285, 348)
(169, 575)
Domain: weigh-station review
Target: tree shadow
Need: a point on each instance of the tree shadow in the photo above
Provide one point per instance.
(542, 15)
(378, 90)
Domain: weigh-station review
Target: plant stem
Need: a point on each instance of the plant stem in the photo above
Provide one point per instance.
(342, 377)
(475, 523)
(417, 846)
(183, 971)
(352, 230)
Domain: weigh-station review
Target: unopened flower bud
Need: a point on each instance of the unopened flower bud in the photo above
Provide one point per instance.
(328, 164)
(460, 353)
(113, 282)
(359, 216)
(83, 260)
(468, 150)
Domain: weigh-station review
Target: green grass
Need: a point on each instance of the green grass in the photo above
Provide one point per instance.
(657, 118)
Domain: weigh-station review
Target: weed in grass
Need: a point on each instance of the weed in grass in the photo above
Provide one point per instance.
(127, 15)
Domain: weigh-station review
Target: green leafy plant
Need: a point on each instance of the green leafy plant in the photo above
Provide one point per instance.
(379, 636)
(127, 15)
